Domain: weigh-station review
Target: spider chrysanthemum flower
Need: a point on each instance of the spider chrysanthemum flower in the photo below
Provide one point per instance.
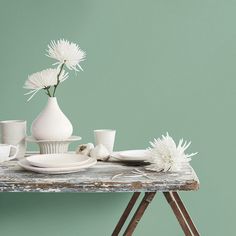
(43, 80)
(66, 52)
(166, 155)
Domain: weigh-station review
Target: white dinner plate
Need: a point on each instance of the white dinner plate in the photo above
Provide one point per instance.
(60, 170)
(132, 155)
(57, 160)
(135, 154)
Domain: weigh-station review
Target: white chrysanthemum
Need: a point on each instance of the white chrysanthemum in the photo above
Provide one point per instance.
(66, 52)
(166, 155)
(43, 79)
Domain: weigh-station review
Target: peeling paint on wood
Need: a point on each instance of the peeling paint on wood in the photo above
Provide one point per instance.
(96, 179)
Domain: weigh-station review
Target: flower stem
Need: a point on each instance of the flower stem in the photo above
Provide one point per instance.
(58, 79)
(47, 91)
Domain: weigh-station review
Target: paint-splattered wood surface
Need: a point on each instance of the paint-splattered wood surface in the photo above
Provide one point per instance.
(96, 179)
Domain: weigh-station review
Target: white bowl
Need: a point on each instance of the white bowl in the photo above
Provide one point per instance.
(53, 146)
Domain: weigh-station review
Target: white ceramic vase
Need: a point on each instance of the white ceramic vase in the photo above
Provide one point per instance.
(51, 124)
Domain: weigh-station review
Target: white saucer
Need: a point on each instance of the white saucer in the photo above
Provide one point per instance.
(132, 155)
(57, 160)
(62, 170)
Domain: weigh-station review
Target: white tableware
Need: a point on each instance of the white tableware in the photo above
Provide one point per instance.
(5, 150)
(105, 137)
(135, 154)
(53, 146)
(14, 132)
(100, 152)
(132, 155)
(57, 160)
(59, 170)
(51, 123)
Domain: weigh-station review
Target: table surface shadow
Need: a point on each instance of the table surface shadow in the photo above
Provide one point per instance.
(98, 178)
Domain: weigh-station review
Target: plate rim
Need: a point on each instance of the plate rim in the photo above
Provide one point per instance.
(46, 165)
(117, 156)
(70, 139)
(23, 163)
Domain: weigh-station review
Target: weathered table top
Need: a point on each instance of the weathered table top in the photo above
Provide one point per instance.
(99, 178)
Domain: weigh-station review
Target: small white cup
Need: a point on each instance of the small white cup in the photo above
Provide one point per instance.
(105, 137)
(14, 132)
(5, 150)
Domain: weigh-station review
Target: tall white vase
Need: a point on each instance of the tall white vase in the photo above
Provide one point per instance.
(51, 124)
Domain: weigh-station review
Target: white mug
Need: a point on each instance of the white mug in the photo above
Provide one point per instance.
(14, 132)
(5, 150)
(105, 137)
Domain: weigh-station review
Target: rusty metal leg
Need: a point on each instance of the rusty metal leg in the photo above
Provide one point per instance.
(139, 213)
(126, 214)
(185, 214)
(171, 200)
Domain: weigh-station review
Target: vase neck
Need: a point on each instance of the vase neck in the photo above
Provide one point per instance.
(52, 101)
(52, 98)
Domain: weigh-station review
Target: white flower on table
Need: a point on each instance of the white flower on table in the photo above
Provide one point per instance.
(43, 80)
(166, 155)
(66, 53)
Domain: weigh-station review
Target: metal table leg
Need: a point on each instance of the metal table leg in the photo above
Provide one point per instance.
(181, 214)
(148, 197)
(126, 214)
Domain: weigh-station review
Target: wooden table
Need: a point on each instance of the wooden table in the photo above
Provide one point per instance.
(100, 178)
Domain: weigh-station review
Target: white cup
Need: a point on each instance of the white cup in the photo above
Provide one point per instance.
(105, 137)
(14, 132)
(5, 150)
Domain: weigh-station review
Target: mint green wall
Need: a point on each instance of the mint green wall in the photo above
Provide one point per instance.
(152, 66)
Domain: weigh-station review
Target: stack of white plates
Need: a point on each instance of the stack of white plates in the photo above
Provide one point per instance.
(57, 163)
(132, 156)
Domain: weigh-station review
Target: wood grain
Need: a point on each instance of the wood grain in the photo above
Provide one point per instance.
(96, 179)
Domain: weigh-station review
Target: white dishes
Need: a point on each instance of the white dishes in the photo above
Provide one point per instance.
(53, 146)
(105, 137)
(70, 139)
(57, 160)
(135, 154)
(59, 170)
(132, 155)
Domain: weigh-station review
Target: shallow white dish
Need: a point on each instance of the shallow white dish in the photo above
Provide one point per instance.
(60, 170)
(135, 154)
(132, 155)
(57, 160)
(53, 146)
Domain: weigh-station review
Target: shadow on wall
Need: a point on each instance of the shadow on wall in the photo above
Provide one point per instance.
(60, 212)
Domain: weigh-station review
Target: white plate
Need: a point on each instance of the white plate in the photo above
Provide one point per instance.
(62, 170)
(57, 160)
(132, 155)
(135, 154)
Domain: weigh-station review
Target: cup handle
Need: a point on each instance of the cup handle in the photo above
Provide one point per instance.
(16, 152)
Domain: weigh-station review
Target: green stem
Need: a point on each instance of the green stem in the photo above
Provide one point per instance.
(48, 91)
(58, 79)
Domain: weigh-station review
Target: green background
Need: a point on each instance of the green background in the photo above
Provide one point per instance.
(152, 66)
